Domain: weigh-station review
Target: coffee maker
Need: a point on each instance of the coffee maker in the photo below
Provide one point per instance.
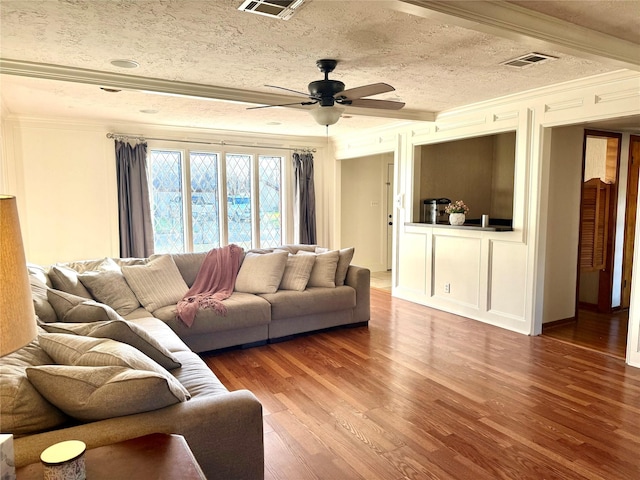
(433, 210)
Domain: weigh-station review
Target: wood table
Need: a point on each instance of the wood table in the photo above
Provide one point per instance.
(151, 457)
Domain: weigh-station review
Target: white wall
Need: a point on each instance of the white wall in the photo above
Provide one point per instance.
(66, 191)
(563, 223)
(499, 277)
(363, 200)
(65, 183)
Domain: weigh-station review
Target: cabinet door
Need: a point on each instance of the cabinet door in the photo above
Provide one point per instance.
(594, 228)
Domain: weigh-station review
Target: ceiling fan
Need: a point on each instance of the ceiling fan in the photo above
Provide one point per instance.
(327, 93)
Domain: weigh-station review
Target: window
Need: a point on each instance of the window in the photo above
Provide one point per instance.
(202, 200)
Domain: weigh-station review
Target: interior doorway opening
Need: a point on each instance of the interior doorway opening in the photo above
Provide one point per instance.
(608, 203)
(367, 213)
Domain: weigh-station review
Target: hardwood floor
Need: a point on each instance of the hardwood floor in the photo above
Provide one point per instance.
(423, 394)
(605, 333)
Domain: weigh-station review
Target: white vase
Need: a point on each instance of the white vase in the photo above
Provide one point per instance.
(456, 218)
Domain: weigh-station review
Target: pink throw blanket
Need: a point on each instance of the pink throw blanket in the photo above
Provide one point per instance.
(214, 282)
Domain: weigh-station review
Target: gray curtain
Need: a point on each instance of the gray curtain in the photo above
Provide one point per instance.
(305, 197)
(134, 210)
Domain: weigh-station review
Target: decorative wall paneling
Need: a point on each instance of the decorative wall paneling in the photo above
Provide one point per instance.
(512, 285)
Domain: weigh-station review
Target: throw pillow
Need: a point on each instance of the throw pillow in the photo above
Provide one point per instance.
(261, 273)
(157, 283)
(297, 272)
(39, 291)
(23, 410)
(98, 352)
(121, 331)
(96, 393)
(66, 279)
(111, 288)
(344, 260)
(71, 308)
(324, 269)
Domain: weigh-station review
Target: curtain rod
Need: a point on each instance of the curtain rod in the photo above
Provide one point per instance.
(122, 136)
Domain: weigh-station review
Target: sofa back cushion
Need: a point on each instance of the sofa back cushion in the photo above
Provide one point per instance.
(324, 269)
(189, 264)
(261, 273)
(297, 272)
(111, 288)
(71, 308)
(157, 283)
(39, 292)
(120, 331)
(66, 279)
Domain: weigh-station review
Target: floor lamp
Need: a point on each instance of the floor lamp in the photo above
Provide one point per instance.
(17, 316)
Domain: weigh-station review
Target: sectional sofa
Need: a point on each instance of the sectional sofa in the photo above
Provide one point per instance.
(107, 320)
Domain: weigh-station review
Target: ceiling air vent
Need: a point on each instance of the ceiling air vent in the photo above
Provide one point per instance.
(528, 60)
(282, 9)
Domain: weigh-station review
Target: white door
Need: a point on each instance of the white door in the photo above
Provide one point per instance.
(389, 215)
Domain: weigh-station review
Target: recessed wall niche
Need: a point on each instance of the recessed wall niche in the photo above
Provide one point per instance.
(478, 170)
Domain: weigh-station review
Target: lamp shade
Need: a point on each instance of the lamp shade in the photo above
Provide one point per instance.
(17, 316)
(326, 115)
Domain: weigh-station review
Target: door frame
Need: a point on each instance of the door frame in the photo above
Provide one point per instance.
(633, 174)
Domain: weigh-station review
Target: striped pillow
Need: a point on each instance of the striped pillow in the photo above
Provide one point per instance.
(75, 350)
(297, 272)
(156, 284)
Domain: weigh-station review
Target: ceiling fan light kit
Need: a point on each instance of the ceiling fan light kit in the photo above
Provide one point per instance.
(327, 93)
(326, 115)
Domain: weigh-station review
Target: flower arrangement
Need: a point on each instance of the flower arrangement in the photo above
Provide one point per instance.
(457, 207)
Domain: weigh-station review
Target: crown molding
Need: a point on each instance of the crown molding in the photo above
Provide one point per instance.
(181, 89)
(521, 24)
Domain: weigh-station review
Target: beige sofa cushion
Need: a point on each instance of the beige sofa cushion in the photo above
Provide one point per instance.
(189, 265)
(344, 260)
(316, 300)
(96, 393)
(66, 279)
(111, 288)
(345, 255)
(120, 331)
(23, 410)
(157, 283)
(324, 268)
(297, 272)
(244, 310)
(72, 308)
(44, 310)
(261, 273)
(96, 352)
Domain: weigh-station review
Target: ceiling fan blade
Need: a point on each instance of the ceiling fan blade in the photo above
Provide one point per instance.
(282, 105)
(371, 103)
(288, 90)
(364, 91)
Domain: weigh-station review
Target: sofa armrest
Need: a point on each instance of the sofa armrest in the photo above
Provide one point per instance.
(359, 278)
(220, 430)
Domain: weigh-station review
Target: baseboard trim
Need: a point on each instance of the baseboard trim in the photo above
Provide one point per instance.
(557, 323)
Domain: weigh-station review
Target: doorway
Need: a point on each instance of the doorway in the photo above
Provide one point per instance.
(366, 211)
(601, 318)
(598, 207)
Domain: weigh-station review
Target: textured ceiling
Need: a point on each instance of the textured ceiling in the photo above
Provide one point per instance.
(433, 65)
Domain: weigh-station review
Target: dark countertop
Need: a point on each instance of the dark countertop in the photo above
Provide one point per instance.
(466, 226)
